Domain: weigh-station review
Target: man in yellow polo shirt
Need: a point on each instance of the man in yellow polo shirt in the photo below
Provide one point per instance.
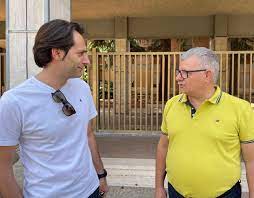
(204, 131)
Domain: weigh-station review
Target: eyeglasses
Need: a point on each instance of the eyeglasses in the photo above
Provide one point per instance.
(67, 109)
(185, 73)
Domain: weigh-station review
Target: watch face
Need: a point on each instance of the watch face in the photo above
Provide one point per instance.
(103, 174)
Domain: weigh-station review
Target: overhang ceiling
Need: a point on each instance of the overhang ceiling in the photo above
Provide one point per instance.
(95, 9)
(101, 9)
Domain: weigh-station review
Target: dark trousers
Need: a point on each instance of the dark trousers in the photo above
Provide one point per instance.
(234, 192)
(96, 194)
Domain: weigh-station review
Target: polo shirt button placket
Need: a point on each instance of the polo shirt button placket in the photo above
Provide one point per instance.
(193, 111)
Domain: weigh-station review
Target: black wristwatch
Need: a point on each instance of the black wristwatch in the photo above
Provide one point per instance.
(104, 174)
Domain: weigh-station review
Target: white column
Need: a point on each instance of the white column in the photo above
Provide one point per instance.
(24, 17)
(60, 9)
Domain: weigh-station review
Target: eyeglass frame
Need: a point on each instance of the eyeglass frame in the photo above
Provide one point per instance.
(66, 104)
(178, 71)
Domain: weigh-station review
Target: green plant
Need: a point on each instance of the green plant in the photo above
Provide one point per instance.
(134, 45)
(159, 45)
(85, 75)
(102, 45)
(241, 44)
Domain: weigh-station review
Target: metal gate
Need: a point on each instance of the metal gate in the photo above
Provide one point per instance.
(130, 89)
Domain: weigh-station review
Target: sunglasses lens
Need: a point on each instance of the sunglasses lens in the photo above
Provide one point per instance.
(58, 97)
(55, 97)
(68, 110)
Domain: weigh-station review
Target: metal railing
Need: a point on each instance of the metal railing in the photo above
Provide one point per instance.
(130, 89)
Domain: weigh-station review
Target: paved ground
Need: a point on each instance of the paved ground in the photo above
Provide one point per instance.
(130, 161)
(127, 146)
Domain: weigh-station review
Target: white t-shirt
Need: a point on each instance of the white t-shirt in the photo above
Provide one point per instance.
(53, 147)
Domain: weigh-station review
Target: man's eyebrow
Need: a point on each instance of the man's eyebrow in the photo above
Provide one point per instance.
(83, 51)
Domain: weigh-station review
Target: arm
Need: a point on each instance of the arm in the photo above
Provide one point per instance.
(8, 185)
(96, 158)
(248, 157)
(162, 149)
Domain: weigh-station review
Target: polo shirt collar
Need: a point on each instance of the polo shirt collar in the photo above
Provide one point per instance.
(215, 99)
(183, 98)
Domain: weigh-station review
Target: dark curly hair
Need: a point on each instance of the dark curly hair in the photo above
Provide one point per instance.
(57, 34)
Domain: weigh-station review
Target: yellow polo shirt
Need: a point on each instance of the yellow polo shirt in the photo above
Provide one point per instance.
(203, 158)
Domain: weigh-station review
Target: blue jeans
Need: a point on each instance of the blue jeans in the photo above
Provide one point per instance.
(234, 192)
(96, 194)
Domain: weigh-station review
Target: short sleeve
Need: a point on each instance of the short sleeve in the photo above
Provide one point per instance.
(10, 122)
(246, 124)
(164, 127)
(92, 109)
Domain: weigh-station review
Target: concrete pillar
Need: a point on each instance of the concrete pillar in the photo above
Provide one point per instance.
(221, 33)
(200, 42)
(121, 44)
(221, 44)
(175, 45)
(24, 17)
(121, 29)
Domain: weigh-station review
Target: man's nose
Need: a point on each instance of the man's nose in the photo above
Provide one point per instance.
(179, 77)
(86, 59)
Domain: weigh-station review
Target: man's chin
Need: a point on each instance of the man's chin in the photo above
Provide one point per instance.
(76, 76)
(79, 74)
(182, 90)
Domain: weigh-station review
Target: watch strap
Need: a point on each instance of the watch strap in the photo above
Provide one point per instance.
(104, 174)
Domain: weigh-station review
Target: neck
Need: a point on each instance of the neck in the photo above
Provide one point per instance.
(197, 99)
(51, 77)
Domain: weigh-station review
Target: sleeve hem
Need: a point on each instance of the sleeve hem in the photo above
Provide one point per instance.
(163, 133)
(247, 141)
(8, 143)
(92, 115)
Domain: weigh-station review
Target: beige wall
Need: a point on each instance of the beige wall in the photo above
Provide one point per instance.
(99, 29)
(241, 26)
(157, 27)
(2, 43)
(2, 29)
(2, 10)
(168, 27)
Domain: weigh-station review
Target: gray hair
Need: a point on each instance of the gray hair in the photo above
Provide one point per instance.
(208, 59)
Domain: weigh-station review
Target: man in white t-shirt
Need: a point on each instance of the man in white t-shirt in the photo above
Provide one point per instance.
(49, 116)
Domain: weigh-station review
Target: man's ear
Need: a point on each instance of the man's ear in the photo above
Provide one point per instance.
(209, 74)
(57, 54)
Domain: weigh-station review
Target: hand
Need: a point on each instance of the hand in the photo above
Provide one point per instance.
(103, 187)
(160, 193)
(251, 194)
